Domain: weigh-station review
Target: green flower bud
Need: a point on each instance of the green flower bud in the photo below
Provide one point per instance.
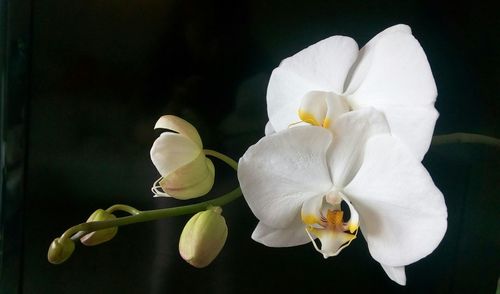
(60, 250)
(203, 237)
(100, 236)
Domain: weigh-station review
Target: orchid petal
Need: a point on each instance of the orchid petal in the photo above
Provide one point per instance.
(323, 217)
(284, 95)
(332, 242)
(293, 235)
(269, 130)
(177, 124)
(351, 132)
(353, 81)
(313, 108)
(171, 151)
(192, 180)
(396, 273)
(320, 67)
(320, 108)
(413, 125)
(400, 28)
(402, 213)
(393, 73)
(325, 63)
(337, 105)
(311, 210)
(278, 173)
(353, 223)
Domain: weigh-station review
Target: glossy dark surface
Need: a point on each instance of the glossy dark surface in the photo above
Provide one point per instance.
(102, 72)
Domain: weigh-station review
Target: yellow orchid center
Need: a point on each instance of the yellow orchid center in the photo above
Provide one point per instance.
(334, 219)
(324, 219)
(320, 108)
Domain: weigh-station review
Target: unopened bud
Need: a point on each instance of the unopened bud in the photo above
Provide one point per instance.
(100, 236)
(60, 250)
(178, 156)
(203, 237)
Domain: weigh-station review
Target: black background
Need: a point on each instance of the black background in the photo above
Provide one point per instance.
(102, 72)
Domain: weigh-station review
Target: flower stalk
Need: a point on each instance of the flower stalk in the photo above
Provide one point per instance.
(138, 216)
(149, 215)
(454, 138)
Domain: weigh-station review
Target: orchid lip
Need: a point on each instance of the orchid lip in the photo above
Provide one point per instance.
(324, 219)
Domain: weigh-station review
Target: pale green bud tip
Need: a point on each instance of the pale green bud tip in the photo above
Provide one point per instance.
(101, 236)
(216, 209)
(203, 237)
(60, 250)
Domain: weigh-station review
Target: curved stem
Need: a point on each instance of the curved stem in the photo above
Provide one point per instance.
(138, 216)
(122, 207)
(232, 163)
(149, 215)
(465, 138)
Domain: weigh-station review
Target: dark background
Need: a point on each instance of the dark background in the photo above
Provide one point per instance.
(93, 76)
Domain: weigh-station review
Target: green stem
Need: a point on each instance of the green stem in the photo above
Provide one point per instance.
(149, 215)
(117, 207)
(222, 157)
(465, 138)
(122, 207)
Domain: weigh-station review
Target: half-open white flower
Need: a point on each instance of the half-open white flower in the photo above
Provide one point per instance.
(178, 156)
(306, 182)
(390, 73)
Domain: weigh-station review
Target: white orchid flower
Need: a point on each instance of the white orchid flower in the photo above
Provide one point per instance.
(308, 182)
(390, 73)
(178, 156)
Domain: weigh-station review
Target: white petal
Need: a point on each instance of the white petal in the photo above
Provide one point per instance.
(179, 125)
(353, 223)
(320, 108)
(278, 173)
(351, 132)
(171, 151)
(402, 213)
(394, 76)
(413, 125)
(284, 95)
(192, 180)
(337, 105)
(401, 28)
(396, 273)
(269, 130)
(322, 67)
(325, 63)
(362, 64)
(313, 108)
(393, 71)
(332, 242)
(322, 220)
(293, 235)
(311, 210)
